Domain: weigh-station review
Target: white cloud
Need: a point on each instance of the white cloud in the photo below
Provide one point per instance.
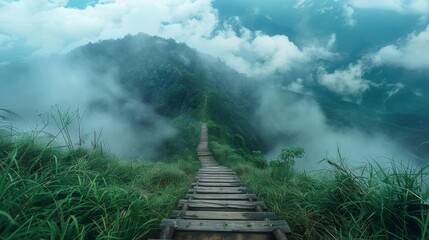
(50, 27)
(296, 86)
(347, 82)
(395, 88)
(401, 6)
(411, 53)
(302, 3)
(348, 13)
(303, 123)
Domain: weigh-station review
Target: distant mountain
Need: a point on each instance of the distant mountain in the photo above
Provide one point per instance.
(175, 80)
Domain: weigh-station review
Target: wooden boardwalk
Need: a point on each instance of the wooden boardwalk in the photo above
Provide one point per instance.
(217, 206)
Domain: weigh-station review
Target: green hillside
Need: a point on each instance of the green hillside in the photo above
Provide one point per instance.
(175, 80)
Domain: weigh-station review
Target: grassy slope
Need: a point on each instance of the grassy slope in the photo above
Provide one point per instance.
(338, 203)
(51, 193)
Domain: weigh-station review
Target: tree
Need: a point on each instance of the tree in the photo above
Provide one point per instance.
(289, 154)
(282, 168)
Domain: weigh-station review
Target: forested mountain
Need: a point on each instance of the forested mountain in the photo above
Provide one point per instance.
(175, 80)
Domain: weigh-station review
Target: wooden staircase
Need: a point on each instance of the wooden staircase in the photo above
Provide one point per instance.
(217, 206)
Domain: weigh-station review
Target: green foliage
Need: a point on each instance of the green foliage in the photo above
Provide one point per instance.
(229, 156)
(50, 192)
(372, 202)
(289, 154)
(282, 167)
(238, 141)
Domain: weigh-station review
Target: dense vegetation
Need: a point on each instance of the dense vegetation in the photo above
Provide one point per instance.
(49, 191)
(371, 202)
(176, 80)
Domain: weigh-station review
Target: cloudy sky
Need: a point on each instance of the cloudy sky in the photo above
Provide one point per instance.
(337, 45)
(254, 37)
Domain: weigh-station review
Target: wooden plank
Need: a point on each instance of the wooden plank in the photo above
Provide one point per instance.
(223, 215)
(206, 180)
(220, 167)
(222, 235)
(217, 180)
(241, 188)
(215, 175)
(216, 190)
(216, 170)
(225, 196)
(211, 184)
(227, 225)
(200, 203)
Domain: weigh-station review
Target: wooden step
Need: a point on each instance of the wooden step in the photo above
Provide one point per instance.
(214, 184)
(209, 215)
(226, 225)
(205, 180)
(216, 175)
(220, 171)
(223, 235)
(221, 196)
(231, 204)
(214, 169)
(215, 190)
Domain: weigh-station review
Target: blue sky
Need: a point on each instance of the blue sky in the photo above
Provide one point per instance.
(81, 4)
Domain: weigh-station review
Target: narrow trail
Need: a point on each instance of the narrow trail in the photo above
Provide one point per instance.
(217, 206)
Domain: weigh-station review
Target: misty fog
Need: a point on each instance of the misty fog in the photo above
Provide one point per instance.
(127, 126)
(287, 119)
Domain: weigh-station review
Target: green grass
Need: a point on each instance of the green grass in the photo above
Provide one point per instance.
(48, 192)
(371, 202)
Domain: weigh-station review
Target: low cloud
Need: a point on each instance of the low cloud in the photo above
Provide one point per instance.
(412, 53)
(302, 123)
(349, 13)
(395, 88)
(346, 82)
(128, 127)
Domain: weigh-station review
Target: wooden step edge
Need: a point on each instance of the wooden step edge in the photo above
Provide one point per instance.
(226, 225)
(219, 215)
(221, 196)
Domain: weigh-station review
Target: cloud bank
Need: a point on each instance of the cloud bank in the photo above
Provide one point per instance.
(128, 127)
(412, 53)
(48, 27)
(299, 121)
